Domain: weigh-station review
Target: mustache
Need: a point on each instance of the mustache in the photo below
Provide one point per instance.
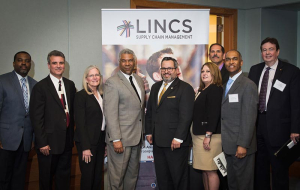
(215, 56)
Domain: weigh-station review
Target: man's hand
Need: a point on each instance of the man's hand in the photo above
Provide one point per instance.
(149, 139)
(45, 150)
(241, 152)
(295, 137)
(175, 144)
(1, 147)
(118, 146)
(86, 156)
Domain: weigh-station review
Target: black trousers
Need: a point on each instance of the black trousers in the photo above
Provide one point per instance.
(171, 167)
(13, 168)
(264, 158)
(91, 173)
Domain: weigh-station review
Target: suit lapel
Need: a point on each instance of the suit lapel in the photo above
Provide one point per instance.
(67, 88)
(53, 91)
(234, 86)
(16, 84)
(141, 86)
(171, 88)
(277, 75)
(91, 96)
(155, 91)
(128, 85)
(257, 77)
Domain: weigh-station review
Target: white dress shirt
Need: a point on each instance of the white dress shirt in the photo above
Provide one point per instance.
(100, 101)
(56, 84)
(271, 77)
(134, 82)
(27, 84)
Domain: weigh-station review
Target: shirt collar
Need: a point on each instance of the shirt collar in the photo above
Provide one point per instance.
(273, 67)
(126, 75)
(221, 66)
(20, 77)
(236, 76)
(54, 79)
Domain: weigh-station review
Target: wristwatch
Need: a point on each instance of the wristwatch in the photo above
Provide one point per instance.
(207, 136)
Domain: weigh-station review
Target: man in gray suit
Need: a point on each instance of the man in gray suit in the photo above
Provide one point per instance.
(238, 117)
(15, 126)
(124, 110)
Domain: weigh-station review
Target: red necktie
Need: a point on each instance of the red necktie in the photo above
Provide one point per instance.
(63, 102)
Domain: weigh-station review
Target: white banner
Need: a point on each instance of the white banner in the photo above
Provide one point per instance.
(160, 26)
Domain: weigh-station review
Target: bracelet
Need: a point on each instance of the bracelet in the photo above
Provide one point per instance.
(207, 136)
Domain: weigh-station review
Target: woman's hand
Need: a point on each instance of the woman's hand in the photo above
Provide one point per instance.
(206, 142)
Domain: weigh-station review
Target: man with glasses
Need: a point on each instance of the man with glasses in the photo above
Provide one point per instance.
(124, 108)
(168, 119)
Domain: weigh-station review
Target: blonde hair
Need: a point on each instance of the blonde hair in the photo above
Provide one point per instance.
(85, 75)
(215, 73)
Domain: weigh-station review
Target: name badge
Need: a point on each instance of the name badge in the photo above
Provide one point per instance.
(279, 85)
(233, 98)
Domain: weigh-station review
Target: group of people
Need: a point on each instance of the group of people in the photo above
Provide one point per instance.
(248, 118)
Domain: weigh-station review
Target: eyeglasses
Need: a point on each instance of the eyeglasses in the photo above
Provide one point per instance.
(169, 69)
(126, 60)
(92, 76)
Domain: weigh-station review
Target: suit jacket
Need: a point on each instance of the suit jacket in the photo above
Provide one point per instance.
(88, 118)
(14, 123)
(225, 74)
(48, 116)
(207, 111)
(238, 118)
(124, 112)
(173, 116)
(283, 107)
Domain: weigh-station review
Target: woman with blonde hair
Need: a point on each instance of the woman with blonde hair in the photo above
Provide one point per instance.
(206, 129)
(90, 129)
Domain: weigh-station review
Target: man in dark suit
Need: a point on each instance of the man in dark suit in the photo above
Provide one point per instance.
(124, 110)
(168, 119)
(216, 55)
(238, 117)
(15, 126)
(278, 114)
(51, 114)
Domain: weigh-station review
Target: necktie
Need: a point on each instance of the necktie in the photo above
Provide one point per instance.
(162, 93)
(263, 90)
(228, 86)
(63, 102)
(25, 94)
(133, 86)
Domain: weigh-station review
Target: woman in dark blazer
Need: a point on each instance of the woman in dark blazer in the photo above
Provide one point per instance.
(90, 129)
(206, 127)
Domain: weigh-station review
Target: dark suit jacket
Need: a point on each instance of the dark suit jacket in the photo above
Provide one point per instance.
(283, 108)
(88, 119)
(172, 117)
(48, 116)
(207, 111)
(238, 118)
(14, 123)
(225, 74)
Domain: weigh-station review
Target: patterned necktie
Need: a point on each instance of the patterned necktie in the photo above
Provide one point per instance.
(25, 94)
(228, 86)
(133, 86)
(263, 91)
(63, 102)
(162, 92)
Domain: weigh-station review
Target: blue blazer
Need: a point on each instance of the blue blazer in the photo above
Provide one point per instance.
(14, 123)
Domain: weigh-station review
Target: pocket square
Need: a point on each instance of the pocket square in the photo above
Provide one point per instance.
(171, 97)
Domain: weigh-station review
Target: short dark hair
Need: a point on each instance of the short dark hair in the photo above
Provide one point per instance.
(270, 40)
(222, 48)
(152, 64)
(168, 59)
(240, 55)
(15, 57)
(55, 53)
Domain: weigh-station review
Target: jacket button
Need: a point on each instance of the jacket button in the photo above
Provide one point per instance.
(222, 118)
(64, 120)
(22, 127)
(140, 120)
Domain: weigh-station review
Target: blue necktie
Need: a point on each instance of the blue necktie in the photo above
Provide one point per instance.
(25, 94)
(230, 81)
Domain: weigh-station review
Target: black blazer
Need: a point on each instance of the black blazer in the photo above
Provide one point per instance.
(48, 116)
(225, 74)
(207, 111)
(88, 119)
(283, 108)
(172, 117)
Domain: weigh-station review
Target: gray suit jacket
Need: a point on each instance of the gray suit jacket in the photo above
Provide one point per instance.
(238, 118)
(13, 119)
(123, 111)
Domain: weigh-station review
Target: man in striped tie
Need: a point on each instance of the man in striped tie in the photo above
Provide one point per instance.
(15, 126)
